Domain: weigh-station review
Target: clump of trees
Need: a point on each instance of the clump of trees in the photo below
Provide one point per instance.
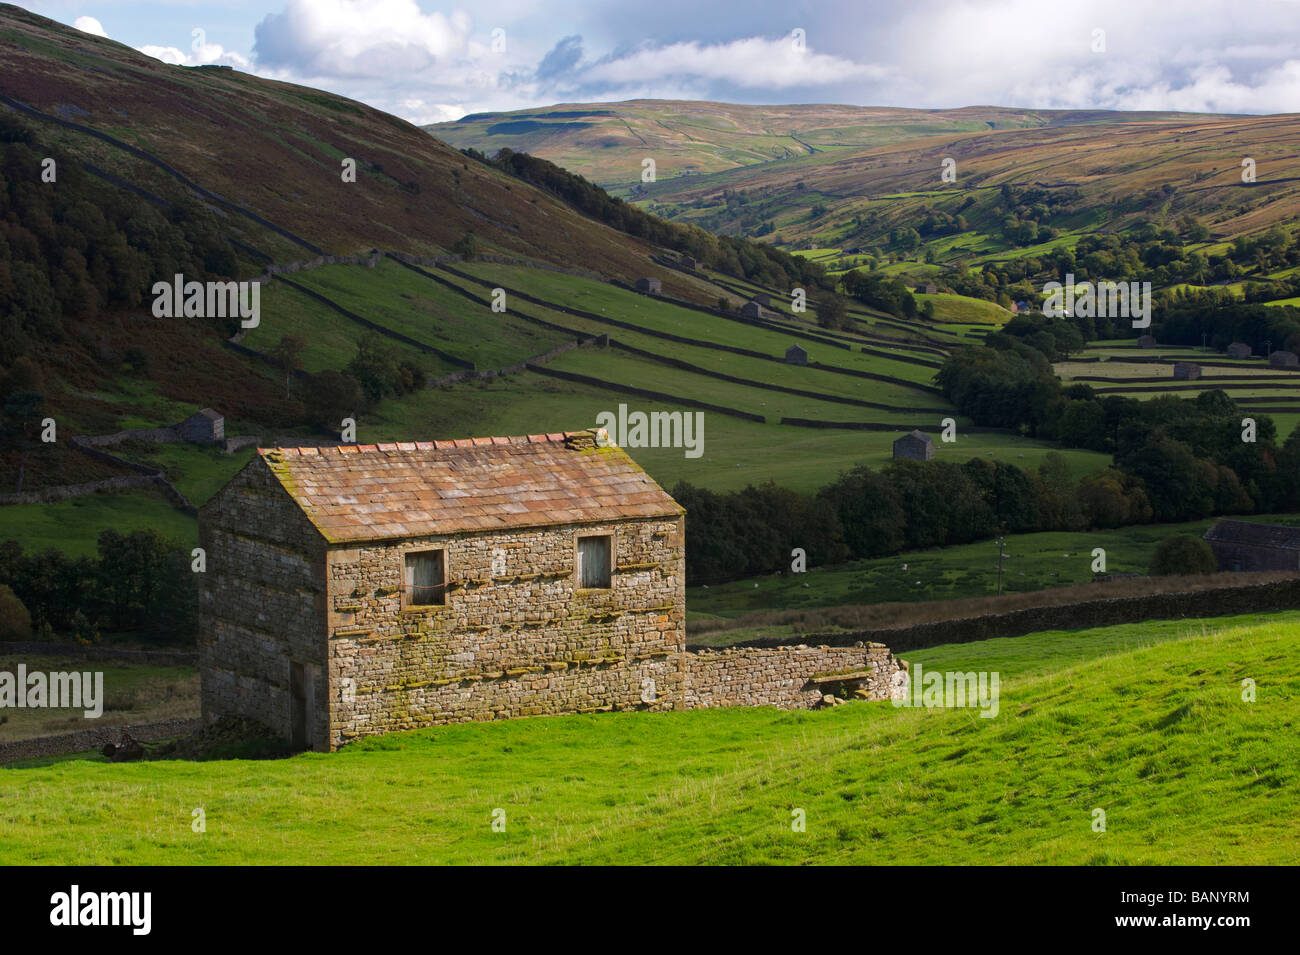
(139, 583)
(80, 249)
(907, 505)
(886, 294)
(1188, 453)
(1182, 554)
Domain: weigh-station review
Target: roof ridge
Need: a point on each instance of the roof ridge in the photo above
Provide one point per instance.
(307, 450)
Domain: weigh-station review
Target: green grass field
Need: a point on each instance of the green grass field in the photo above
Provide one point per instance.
(1033, 562)
(1145, 723)
(198, 471)
(963, 309)
(73, 525)
(736, 452)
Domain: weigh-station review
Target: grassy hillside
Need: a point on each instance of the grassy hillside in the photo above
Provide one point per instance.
(1147, 724)
(276, 150)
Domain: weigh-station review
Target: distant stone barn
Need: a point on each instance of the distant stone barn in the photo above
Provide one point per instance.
(1187, 371)
(914, 446)
(796, 355)
(1147, 341)
(203, 427)
(649, 286)
(1239, 350)
(751, 310)
(1247, 546)
(360, 589)
(1284, 359)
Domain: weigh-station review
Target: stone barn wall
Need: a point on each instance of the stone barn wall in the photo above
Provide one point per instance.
(261, 603)
(516, 634)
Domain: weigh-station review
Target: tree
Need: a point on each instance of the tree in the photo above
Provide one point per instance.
(1057, 496)
(331, 397)
(1183, 554)
(375, 367)
(832, 310)
(870, 510)
(22, 414)
(287, 355)
(466, 246)
(15, 621)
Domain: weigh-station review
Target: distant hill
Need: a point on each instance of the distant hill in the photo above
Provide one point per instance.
(606, 142)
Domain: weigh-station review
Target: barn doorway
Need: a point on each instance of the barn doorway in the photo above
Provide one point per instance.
(300, 699)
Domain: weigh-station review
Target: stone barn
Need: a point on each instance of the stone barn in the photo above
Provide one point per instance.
(1186, 371)
(360, 589)
(751, 310)
(1283, 359)
(1243, 545)
(796, 355)
(203, 427)
(688, 262)
(650, 286)
(763, 299)
(914, 446)
(1147, 341)
(1239, 350)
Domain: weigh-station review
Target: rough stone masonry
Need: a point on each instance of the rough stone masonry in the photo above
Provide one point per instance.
(362, 589)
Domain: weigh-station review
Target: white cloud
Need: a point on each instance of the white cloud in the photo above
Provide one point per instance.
(752, 62)
(358, 38)
(90, 25)
(420, 113)
(203, 54)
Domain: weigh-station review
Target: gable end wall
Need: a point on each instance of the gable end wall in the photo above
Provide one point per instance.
(261, 604)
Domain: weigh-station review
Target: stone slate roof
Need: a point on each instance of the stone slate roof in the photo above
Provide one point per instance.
(1256, 535)
(917, 436)
(424, 488)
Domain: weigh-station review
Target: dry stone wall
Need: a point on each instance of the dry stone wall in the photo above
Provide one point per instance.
(790, 677)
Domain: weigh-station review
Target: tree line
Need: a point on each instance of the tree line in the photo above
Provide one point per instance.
(139, 583)
(904, 506)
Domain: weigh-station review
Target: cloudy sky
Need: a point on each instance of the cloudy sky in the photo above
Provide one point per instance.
(431, 60)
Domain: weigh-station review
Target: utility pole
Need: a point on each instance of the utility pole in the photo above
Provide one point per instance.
(1002, 541)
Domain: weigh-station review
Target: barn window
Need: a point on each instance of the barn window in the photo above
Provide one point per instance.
(594, 562)
(426, 582)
